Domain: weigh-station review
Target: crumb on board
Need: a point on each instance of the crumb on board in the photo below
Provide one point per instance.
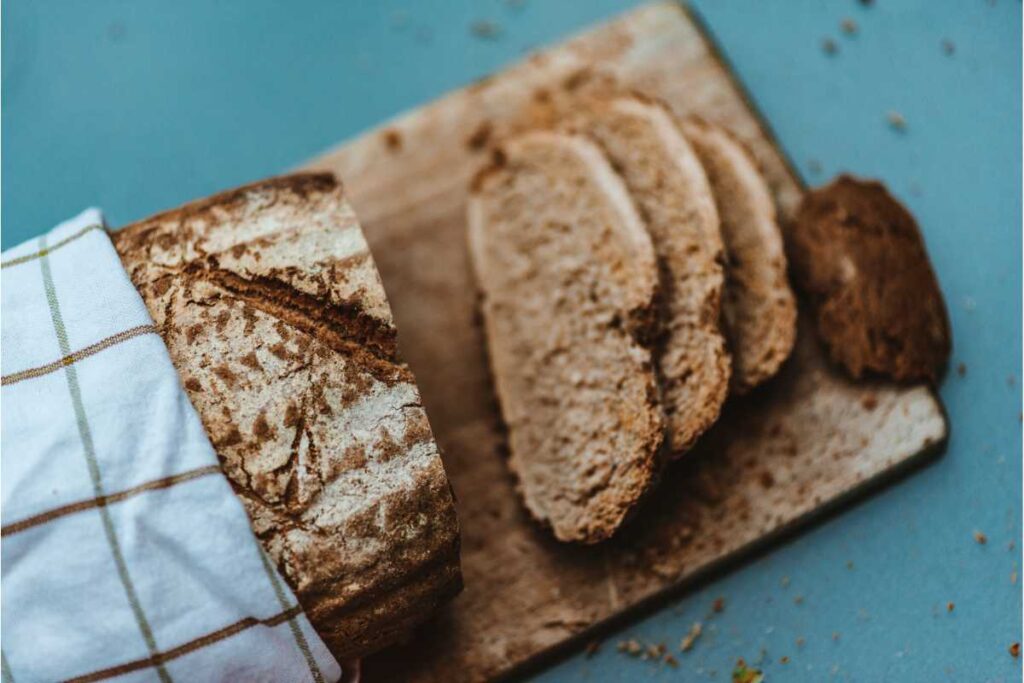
(801, 641)
(479, 137)
(950, 607)
(961, 369)
(671, 661)
(784, 582)
(798, 600)
(686, 644)
(742, 673)
(1014, 650)
(848, 26)
(654, 651)
(784, 659)
(631, 647)
(485, 29)
(592, 648)
(835, 636)
(896, 121)
(980, 538)
(829, 46)
(849, 564)
(1013, 578)
(718, 605)
(948, 48)
(392, 139)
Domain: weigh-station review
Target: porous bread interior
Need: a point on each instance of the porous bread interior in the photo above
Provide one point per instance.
(758, 306)
(668, 184)
(568, 277)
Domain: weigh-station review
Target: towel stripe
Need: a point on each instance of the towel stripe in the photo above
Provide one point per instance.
(85, 434)
(71, 508)
(160, 658)
(76, 356)
(293, 624)
(43, 251)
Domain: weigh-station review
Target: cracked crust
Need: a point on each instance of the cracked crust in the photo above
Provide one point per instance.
(275, 317)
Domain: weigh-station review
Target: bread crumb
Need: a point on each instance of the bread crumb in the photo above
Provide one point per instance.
(961, 369)
(784, 582)
(671, 661)
(478, 139)
(686, 644)
(392, 140)
(784, 660)
(950, 606)
(592, 648)
(742, 673)
(718, 605)
(849, 564)
(1015, 650)
(631, 647)
(948, 48)
(800, 642)
(1013, 578)
(896, 121)
(980, 538)
(798, 600)
(835, 636)
(485, 29)
(849, 26)
(829, 46)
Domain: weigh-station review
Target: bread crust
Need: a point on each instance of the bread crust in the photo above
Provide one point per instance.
(276, 320)
(859, 255)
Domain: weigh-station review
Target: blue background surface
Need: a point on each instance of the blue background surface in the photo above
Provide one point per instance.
(138, 106)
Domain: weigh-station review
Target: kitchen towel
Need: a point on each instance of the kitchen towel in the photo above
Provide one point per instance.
(125, 553)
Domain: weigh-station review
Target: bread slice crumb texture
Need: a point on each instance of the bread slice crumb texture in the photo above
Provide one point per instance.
(758, 306)
(668, 184)
(568, 278)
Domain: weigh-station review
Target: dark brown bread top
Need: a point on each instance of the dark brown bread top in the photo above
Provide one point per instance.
(275, 318)
(859, 254)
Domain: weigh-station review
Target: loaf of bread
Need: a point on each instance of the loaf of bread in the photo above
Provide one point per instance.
(666, 180)
(859, 255)
(276, 320)
(758, 306)
(568, 279)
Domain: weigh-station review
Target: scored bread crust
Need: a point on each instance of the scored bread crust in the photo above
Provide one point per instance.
(568, 282)
(667, 181)
(276, 320)
(758, 306)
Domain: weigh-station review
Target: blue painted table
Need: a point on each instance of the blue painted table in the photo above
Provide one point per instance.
(140, 106)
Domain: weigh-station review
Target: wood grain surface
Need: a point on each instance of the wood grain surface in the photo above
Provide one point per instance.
(807, 441)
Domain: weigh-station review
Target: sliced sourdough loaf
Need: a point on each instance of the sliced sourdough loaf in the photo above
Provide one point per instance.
(276, 320)
(568, 278)
(668, 184)
(758, 306)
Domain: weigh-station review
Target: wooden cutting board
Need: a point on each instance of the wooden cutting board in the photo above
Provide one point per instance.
(807, 442)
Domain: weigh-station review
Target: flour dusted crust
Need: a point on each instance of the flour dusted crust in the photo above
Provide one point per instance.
(276, 319)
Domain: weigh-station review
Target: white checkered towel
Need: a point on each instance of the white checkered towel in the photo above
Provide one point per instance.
(125, 553)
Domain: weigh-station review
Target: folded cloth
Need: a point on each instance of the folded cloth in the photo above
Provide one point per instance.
(125, 552)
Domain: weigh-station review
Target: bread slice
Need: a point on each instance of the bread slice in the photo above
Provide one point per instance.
(276, 320)
(758, 307)
(668, 184)
(568, 279)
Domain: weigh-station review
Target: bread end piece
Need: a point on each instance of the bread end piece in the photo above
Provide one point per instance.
(860, 256)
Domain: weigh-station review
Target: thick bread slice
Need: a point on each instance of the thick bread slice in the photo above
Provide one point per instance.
(667, 181)
(568, 279)
(758, 307)
(275, 317)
